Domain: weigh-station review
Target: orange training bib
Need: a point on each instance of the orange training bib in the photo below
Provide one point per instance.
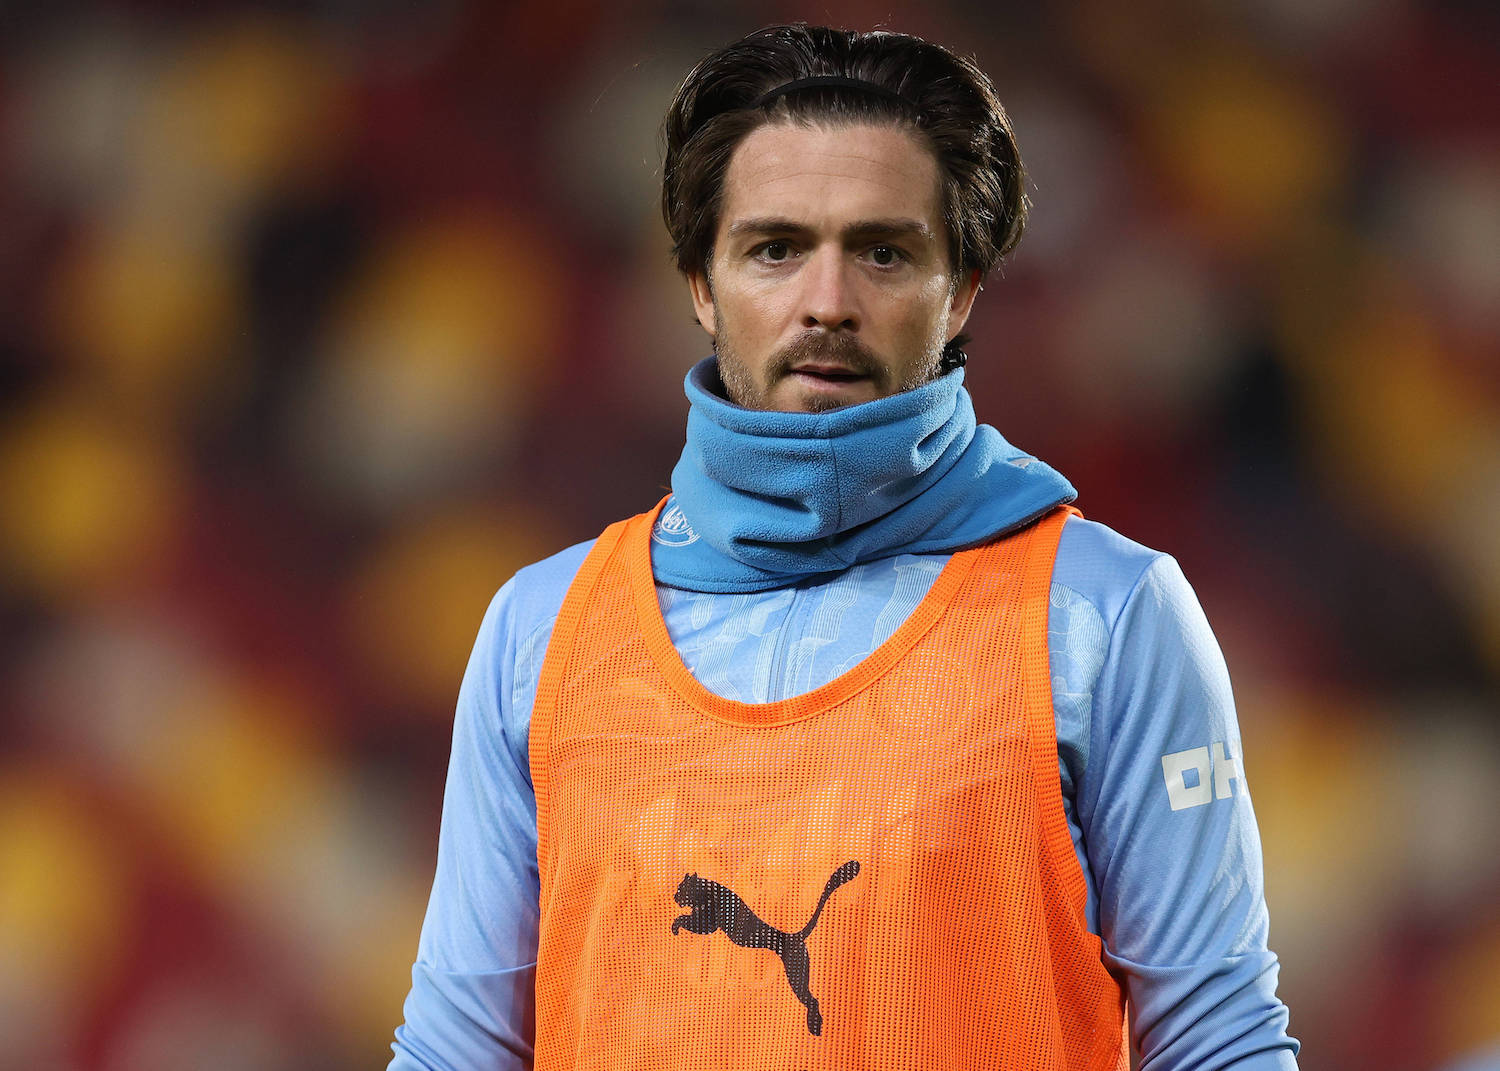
(876, 874)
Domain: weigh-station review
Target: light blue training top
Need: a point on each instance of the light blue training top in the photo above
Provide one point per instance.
(1153, 778)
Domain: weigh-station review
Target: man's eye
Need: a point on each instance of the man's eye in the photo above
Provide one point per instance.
(885, 255)
(775, 251)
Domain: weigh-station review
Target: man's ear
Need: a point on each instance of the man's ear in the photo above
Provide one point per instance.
(962, 303)
(703, 300)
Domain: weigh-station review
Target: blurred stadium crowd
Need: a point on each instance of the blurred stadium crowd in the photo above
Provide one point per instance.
(319, 319)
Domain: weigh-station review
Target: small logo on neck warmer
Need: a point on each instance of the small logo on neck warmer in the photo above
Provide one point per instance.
(672, 528)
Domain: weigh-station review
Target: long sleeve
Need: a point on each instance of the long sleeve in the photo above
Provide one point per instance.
(1171, 841)
(471, 1003)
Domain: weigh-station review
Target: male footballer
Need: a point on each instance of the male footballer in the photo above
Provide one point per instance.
(863, 749)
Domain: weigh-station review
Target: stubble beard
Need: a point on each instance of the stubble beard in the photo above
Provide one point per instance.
(838, 347)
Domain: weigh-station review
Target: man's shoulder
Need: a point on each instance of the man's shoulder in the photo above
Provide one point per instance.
(1101, 567)
(533, 597)
(536, 591)
(554, 568)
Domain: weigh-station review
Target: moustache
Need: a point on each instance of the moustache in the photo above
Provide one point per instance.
(844, 350)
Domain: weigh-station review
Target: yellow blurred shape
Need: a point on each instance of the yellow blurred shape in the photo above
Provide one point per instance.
(1254, 149)
(416, 605)
(1398, 420)
(1401, 426)
(430, 361)
(1314, 774)
(151, 304)
(455, 306)
(231, 770)
(245, 99)
(151, 313)
(66, 893)
(81, 502)
(1469, 992)
(258, 805)
(373, 970)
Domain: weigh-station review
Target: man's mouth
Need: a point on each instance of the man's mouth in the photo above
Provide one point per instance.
(831, 373)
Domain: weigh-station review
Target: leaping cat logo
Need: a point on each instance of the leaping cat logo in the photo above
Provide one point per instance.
(716, 907)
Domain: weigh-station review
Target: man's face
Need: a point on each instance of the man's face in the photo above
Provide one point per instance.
(830, 282)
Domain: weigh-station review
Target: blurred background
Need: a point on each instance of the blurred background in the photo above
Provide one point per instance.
(319, 319)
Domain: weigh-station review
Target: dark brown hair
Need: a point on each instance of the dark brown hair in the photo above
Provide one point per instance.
(946, 99)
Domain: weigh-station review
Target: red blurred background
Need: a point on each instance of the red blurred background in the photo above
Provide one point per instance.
(319, 319)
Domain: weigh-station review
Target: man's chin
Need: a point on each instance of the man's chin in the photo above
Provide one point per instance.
(799, 392)
(821, 405)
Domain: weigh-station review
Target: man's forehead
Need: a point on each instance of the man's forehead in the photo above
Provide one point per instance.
(867, 171)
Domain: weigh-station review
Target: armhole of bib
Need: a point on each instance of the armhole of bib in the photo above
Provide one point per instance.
(1036, 599)
(550, 682)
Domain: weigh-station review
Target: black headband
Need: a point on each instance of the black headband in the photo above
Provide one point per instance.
(831, 81)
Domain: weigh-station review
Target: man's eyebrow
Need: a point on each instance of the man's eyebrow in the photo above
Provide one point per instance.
(889, 228)
(896, 227)
(765, 225)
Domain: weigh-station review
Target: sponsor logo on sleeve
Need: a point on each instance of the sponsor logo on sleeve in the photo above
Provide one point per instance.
(1200, 775)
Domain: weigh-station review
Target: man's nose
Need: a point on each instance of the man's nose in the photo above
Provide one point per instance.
(829, 297)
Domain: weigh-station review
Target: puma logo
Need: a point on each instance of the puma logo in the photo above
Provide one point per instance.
(716, 907)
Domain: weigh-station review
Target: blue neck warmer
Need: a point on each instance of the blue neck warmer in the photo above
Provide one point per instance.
(764, 499)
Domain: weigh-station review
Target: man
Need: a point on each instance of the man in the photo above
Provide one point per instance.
(862, 750)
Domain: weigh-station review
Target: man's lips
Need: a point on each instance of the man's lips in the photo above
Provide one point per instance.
(828, 371)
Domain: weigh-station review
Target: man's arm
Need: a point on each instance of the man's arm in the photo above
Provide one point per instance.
(472, 998)
(1171, 840)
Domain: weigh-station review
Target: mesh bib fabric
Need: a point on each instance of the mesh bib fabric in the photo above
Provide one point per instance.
(876, 874)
